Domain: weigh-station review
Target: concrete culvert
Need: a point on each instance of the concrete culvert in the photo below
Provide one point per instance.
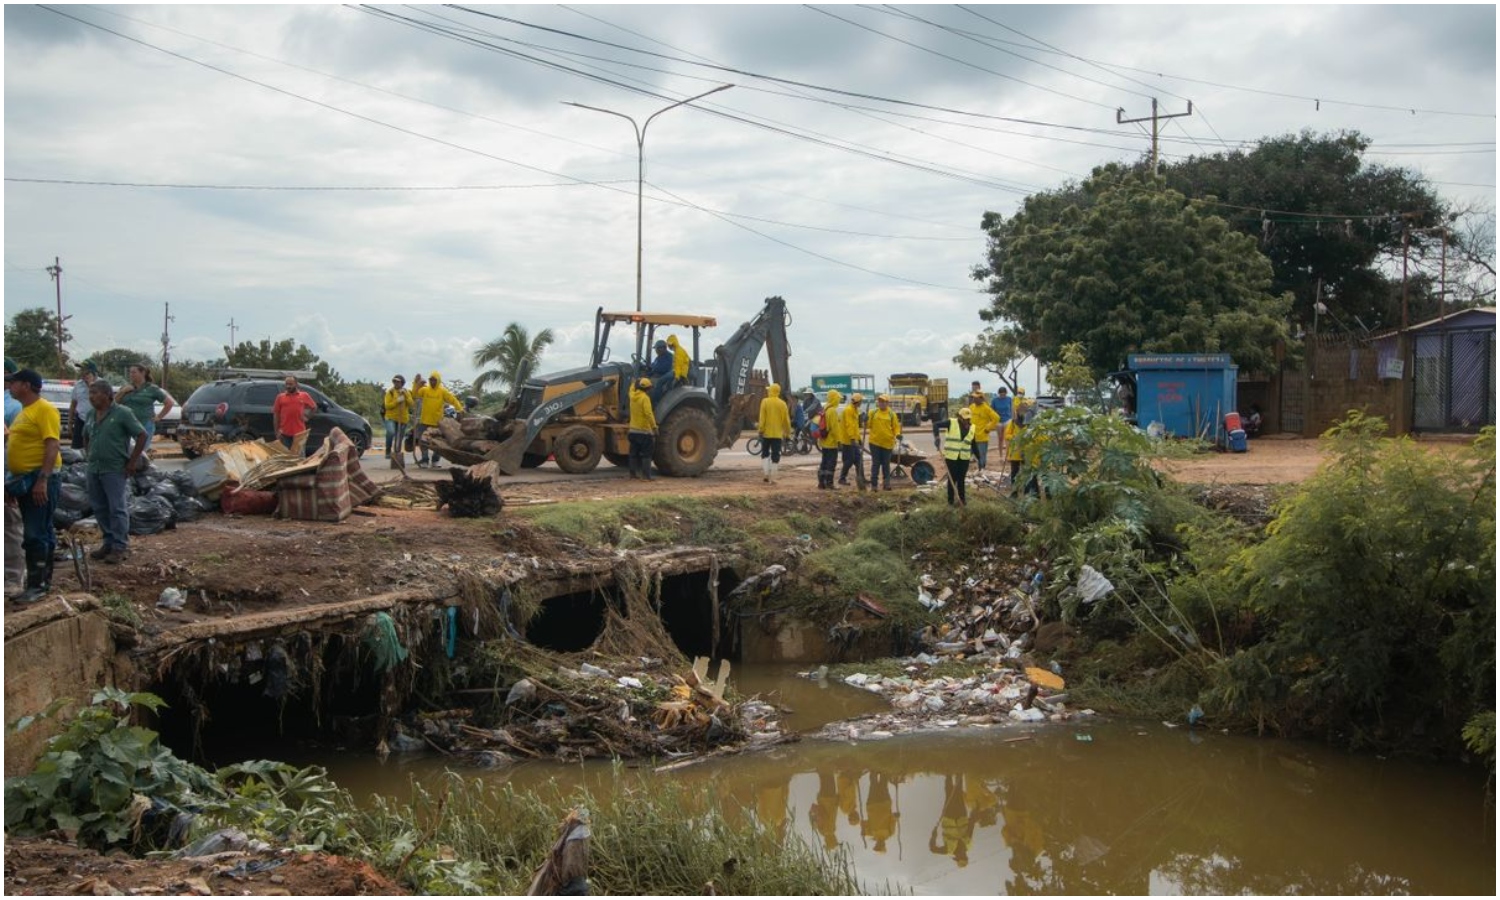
(568, 623)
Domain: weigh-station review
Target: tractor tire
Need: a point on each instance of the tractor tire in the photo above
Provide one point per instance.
(577, 450)
(617, 459)
(532, 460)
(686, 444)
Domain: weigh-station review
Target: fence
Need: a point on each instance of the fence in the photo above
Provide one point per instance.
(1453, 374)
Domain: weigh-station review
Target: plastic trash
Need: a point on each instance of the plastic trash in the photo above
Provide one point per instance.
(594, 671)
(1195, 715)
(172, 599)
(628, 681)
(522, 691)
(1085, 738)
(1092, 585)
(150, 515)
(857, 679)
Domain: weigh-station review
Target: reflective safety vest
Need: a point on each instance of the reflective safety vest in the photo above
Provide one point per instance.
(957, 445)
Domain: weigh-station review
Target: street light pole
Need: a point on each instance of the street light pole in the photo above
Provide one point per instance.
(640, 177)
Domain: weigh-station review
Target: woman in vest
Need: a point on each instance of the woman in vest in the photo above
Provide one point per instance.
(958, 447)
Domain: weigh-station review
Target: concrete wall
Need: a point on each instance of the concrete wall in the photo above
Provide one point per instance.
(50, 656)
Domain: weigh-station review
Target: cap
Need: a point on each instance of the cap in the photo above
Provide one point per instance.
(963, 413)
(883, 398)
(644, 382)
(660, 345)
(10, 367)
(29, 376)
(89, 365)
(856, 397)
(399, 378)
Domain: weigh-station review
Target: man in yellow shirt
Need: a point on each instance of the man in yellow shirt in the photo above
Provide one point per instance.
(852, 446)
(829, 441)
(398, 405)
(431, 398)
(885, 429)
(642, 434)
(775, 426)
(984, 419)
(32, 479)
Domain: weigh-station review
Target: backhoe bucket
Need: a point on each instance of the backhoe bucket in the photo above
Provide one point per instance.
(508, 455)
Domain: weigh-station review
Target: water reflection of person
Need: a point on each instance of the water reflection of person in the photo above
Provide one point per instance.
(848, 789)
(984, 806)
(823, 814)
(880, 821)
(954, 827)
(771, 802)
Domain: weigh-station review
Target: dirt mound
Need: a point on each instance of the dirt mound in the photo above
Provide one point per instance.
(38, 866)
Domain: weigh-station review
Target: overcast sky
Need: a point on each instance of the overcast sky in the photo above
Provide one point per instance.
(406, 187)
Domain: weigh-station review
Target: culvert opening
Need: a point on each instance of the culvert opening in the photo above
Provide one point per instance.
(240, 703)
(568, 623)
(687, 613)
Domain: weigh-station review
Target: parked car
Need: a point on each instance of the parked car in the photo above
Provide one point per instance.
(237, 409)
(59, 392)
(167, 427)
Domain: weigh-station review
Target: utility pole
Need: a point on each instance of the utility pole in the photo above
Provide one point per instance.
(166, 342)
(1155, 119)
(229, 357)
(55, 270)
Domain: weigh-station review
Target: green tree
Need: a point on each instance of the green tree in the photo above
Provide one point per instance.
(1071, 372)
(291, 356)
(31, 340)
(513, 355)
(993, 351)
(1330, 222)
(1123, 265)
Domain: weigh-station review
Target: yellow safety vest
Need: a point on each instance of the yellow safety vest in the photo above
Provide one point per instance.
(955, 444)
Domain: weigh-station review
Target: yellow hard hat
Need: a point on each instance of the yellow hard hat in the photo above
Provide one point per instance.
(857, 397)
(963, 413)
(883, 398)
(644, 382)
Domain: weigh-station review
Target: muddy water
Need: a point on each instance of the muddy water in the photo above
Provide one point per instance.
(1100, 808)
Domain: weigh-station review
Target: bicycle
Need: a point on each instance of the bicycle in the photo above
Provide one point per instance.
(801, 442)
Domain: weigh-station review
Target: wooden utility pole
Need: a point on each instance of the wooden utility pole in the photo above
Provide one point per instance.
(232, 329)
(1155, 118)
(55, 270)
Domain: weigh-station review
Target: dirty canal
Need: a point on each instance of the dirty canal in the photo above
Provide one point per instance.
(1095, 808)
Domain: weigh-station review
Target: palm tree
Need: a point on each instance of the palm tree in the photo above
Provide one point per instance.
(513, 354)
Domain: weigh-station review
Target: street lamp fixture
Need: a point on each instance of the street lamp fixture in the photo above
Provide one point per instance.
(640, 179)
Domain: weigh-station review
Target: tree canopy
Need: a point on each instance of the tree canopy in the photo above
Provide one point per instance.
(1328, 220)
(31, 340)
(1122, 264)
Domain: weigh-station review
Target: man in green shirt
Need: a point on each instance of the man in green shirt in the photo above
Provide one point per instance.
(116, 440)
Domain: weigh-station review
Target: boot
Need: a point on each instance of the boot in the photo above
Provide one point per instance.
(774, 467)
(38, 577)
(765, 469)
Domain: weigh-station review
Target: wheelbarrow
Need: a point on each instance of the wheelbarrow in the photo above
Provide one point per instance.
(905, 457)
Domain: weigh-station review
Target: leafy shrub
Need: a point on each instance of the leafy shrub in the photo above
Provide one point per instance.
(1376, 584)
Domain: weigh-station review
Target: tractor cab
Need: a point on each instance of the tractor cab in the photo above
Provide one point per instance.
(646, 326)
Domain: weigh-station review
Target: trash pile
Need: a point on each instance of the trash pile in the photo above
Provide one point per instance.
(991, 639)
(157, 500)
(593, 713)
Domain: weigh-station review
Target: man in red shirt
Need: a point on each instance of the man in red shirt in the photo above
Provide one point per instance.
(292, 409)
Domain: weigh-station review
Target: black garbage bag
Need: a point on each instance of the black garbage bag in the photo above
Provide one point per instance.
(184, 483)
(144, 481)
(151, 515)
(69, 456)
(62, 519)
(165, 489)
(75, 499)
(78, 474)
(188, 509)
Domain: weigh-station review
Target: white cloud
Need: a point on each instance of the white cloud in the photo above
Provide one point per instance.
(378, 282)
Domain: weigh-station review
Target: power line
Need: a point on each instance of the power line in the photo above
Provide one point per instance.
(331, 188)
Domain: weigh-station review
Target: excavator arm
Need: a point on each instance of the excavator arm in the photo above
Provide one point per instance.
(735, 358)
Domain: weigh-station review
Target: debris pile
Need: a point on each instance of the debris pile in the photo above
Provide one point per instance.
(592, 713)
(986, 662)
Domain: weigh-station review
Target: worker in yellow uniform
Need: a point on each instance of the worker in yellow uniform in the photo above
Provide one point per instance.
(985, 420)
(680, 360)
(829, 441)
(852, 447)
(958, 447)
(642, 434)
(397, 403)
(775, 426)
(885, 429)
(431, 398)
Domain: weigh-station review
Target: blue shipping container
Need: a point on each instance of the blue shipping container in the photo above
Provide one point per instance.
(1187, 393)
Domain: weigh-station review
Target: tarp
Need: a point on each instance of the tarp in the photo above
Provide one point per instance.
(229, 462)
